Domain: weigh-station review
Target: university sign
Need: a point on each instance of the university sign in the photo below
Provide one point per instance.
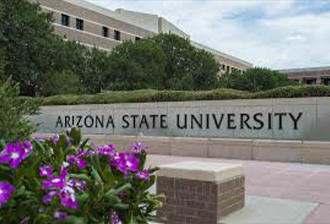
(230, 121)
(302, 119)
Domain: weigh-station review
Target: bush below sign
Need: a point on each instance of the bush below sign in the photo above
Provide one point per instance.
(65, 179)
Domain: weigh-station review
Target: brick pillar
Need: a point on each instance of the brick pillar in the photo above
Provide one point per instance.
(200, 197)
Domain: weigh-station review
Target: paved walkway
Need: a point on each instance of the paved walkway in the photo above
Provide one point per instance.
(308, 184)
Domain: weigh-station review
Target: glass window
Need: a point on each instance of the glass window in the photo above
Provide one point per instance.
(117, 35)
(105, 31)
(65, 20)
(326, 81)
(310, 81)
(79, 24)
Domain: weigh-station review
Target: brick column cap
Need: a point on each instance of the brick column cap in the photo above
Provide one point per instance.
(203, 171)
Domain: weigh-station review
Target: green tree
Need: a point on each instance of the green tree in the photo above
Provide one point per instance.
(14, 124)
(60, 83)
(206, 71)
(138, 65)
(98, 68)
(255, 80)
(29, 40)
(186, 66)
(2, 42)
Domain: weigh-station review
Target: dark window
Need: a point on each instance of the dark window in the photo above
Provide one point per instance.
(65, 20)
(117, 35)
(137, 38)
(223, 67)
(310, 81)
(79, 24)
(105, 31)
(326, 81)
(228, 68)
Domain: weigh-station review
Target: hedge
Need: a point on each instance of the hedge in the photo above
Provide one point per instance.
(166, 95)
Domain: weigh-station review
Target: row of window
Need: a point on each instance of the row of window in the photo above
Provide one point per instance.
(80, 26)
(312, 81)
(227, 68)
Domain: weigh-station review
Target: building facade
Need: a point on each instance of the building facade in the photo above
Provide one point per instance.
(310, 76)
(94, 26)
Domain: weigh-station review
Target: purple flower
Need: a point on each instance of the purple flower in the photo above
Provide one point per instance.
(143, 175)
(53, 182)
(125, 162)
(24, 221)
(14, 154)
(57, 181)
(27, 146)
(68, 197)
(49, 197)
(80, 185)
(40, 139)
(138, 147)
(6, 191)
(59, 215)
(115, 218)
(83, 153)
(80, 162)
(107, 150)
(55, 139)
(45, 171)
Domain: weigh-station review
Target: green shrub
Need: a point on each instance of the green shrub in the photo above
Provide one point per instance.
(13, 111)
(255, 80)
(294, 92)
(140, 96)
(61, 83)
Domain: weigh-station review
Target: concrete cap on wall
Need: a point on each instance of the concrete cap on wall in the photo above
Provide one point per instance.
(194, 170)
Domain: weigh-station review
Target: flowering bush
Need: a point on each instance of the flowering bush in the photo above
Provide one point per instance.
(65, 179)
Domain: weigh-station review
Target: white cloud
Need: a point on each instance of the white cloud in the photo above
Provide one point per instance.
(275, 34)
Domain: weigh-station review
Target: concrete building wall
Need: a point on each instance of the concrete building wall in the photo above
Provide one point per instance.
(131, 25)
(92, 33)
(144, 20)
(318, 75)
(165, 26)
(227, 62)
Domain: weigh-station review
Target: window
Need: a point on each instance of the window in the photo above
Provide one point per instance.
(137, 38)
(79, 24)
(228, 68)
(223, 67)
(326, 81)
(310, 81)
(65, 20)
(117, 35)
(105, 31)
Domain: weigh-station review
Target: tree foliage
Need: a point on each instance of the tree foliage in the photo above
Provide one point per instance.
(187, 68)
(14, 124)
(29, 35)
(2, 41)
(138, 65)
(255, 80)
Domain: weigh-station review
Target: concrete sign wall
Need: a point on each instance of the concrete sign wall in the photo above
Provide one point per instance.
(301, 119)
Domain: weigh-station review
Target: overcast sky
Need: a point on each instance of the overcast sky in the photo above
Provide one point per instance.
(269, 33)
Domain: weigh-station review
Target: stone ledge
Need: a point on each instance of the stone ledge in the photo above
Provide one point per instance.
(215, 172)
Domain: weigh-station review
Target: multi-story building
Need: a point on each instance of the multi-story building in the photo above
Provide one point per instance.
(311, 76)
(95, 26)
